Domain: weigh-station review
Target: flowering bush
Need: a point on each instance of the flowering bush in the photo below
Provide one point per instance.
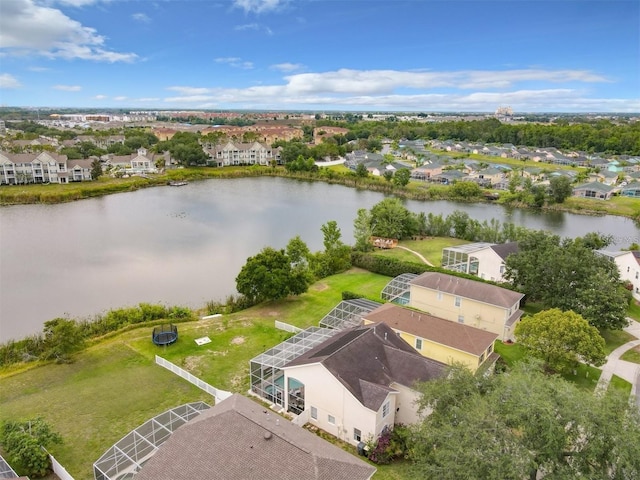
(391, 445)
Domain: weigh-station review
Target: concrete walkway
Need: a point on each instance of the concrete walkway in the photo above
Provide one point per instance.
(417, 255)
(626, 370)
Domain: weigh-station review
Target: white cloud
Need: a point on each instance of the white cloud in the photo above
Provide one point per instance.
(67, 88)
(235, 62)
(120, 98)
(259, 6)
(413, 91)
(100, 97)
(247, 26)
(141, 17)
(287, 67)
(9, 81)
(30, 28)
(39, 69)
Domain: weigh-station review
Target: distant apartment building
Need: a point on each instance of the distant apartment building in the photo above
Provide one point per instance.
(235, 153)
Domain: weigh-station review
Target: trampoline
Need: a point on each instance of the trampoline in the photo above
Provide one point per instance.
(165, 334)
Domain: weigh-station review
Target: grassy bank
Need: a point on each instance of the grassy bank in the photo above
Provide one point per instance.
(55, 193)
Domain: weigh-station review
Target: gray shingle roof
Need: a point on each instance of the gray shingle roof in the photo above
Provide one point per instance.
(368, 360)
(241, 440)
(505, 249)
(475, 290)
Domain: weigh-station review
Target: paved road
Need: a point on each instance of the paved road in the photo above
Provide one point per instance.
(623, 369)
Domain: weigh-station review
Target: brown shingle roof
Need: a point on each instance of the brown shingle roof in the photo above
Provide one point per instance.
(241, 440)
(505, 249)
(475, 290)
(455, 335)
(368, 360)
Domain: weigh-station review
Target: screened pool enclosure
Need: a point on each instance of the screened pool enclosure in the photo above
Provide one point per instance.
(124, 459)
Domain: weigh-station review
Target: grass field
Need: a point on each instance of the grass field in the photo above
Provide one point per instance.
(115, 385)
(430, 248)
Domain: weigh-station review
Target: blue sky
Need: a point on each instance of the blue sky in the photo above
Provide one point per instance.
(322, 55)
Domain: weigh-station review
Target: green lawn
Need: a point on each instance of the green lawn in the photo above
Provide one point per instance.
(632, 355)
(93, 402)
(115, 386)
(615, 338)
(430, 248)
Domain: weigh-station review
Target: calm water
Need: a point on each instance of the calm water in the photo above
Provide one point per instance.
(185, 245)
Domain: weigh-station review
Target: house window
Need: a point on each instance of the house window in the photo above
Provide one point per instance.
(331, 419)
(490, 349)
(458, 301)
(481, 359)
(357, 435)
(439, 295)
(636, 275)
(385, 409)
(418, 344)
(501, 269)
(314, 413)
(460, 318)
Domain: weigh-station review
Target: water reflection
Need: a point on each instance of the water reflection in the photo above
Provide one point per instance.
(185, 246)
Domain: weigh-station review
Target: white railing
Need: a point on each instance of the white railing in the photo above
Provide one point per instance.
(58, 469)
(287, 327)
(210, 389)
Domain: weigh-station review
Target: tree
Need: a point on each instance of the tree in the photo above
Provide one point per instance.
(388, 175)
(23, 442)
(401, 177)
(362, 230)
(391, 219)
(62, 337)
(96, 169)
(560, 189)
(465, 190)
(336, 257)
(561, 339)
(270, 276)
(361, 170)
(570, 276)
(523, 424)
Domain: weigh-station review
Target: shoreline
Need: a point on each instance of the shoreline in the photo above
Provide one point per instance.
(49, 194)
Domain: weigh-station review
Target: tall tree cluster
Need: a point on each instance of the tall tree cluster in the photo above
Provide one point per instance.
(523, 424)
(569, 274)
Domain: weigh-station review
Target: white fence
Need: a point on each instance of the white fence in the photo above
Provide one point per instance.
(58, 469)
(287, 328)
(216, 392)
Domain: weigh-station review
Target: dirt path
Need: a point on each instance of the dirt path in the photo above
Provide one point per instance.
(417, 255)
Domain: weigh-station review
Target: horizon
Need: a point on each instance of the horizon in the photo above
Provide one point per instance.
(576, 57)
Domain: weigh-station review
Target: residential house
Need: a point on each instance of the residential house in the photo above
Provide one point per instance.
(427, 170)
(236, 153)
(359, 382)
(437, 338)
(595, 190)
(79, 170)
(470, 302)
(492, 174)
(241, 439)
(485, 260)
(631, 190)
(628, 263)
(448, 177)
(100, 140)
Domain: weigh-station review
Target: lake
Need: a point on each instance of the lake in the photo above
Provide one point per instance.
(185, 245)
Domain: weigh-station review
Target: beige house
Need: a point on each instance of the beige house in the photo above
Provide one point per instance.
(485, 260)
(358, 382)
(437, 338)
(470, 302)
(138, 163)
